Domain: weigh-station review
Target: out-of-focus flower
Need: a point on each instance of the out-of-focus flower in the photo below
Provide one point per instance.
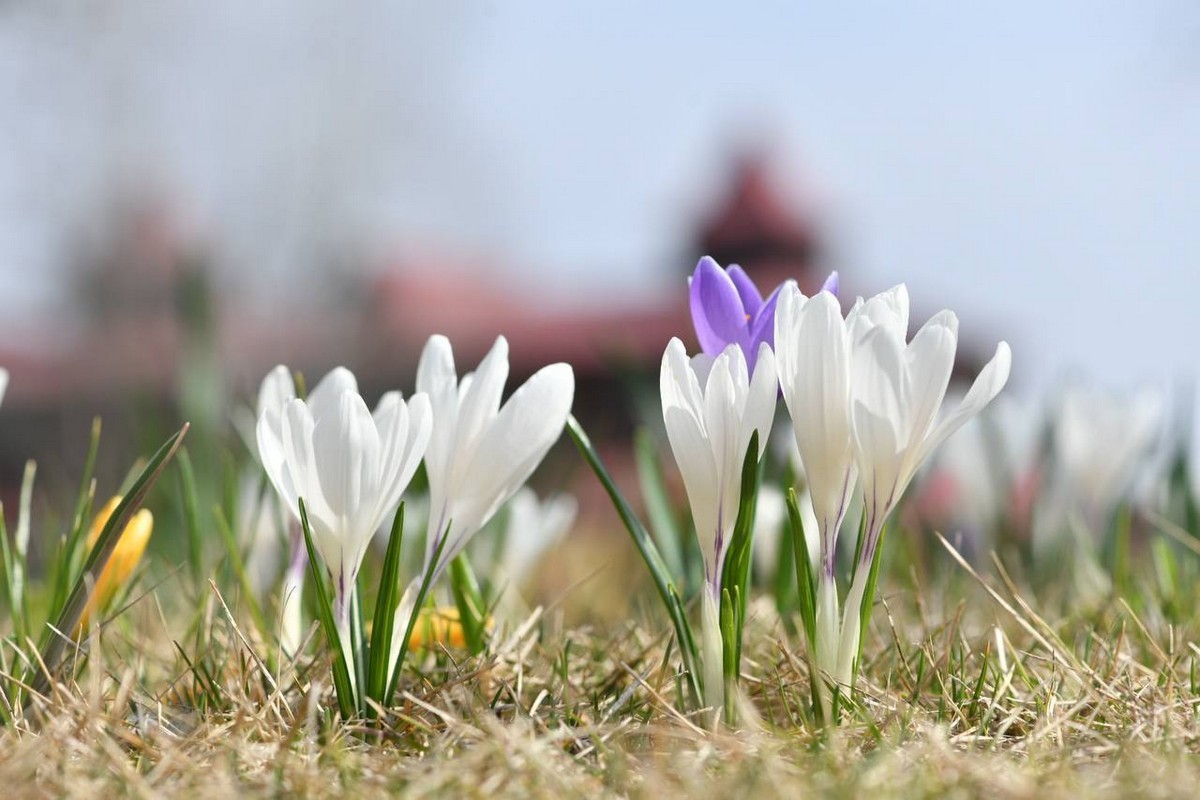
(712, 408)
(3, 383)
(981, 476)
(268, 526)
(440, 627)
(534, 526)
(770, 528)
(480, 453)
(727, 308)
(125, 558)
(350, 467)
(1101, 442)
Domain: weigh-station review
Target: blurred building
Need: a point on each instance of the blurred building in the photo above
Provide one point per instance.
(154, 338)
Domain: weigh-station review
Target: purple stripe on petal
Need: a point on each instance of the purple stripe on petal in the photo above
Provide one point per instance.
(751, 298)
(832, 284)
(717, 311)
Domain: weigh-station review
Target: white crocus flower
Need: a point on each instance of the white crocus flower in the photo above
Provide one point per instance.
(1102, 440)
(813, 352)
(711, 409)
(3, 382)
(350, 467)
(269, 527)
(896, 393)
(480, 453)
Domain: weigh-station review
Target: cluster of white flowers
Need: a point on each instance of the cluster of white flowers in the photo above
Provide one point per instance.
(350, 466)
(865, 407)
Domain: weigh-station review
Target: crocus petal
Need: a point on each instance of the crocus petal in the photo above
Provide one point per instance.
(276, 389)
(762, 324)
(325, 399)
(513, 445)
(479, 396)
(404, 436)
(987, 385)
(722, 425)
(437, 379)
(815, 377)
(877, 413)
(682, 404)
(761, 399)
(3, 383)
(930, 361)
(751, 298)
(832, 284)
(717, 310)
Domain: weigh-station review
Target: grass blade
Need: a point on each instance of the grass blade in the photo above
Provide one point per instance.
(342, 684)
(649, 552)
(385, 613)
(97, 559)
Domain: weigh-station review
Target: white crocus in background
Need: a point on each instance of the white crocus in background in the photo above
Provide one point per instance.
(533, 527)
(813, 352)
(896, 393)
(480, 453)
(1102, 447)
(1101, 441)
(711, 409)
(268, 528)
(350, 467)
(3, 383)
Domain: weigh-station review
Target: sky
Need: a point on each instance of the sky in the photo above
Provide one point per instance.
(1033, 166)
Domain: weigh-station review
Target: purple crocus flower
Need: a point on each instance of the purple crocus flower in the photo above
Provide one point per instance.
(727, 308)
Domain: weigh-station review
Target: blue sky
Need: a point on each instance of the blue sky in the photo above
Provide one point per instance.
(1034, 166)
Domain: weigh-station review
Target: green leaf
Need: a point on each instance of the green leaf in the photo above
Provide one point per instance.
(736, 570)
(806, 580)
(472, 610)
(868, 602)
(664, 525)
(191, 519)
(342, 684)
(58, 637)
(385, 612)
(650, 555)
(234, 555)
(418, 603)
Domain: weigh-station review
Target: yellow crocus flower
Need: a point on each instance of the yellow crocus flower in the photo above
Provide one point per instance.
(124, 560)
(440, 626)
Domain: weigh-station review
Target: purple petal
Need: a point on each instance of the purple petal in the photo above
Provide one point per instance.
(751, 298)
(762, 327)
(832, 284)
(717, 311)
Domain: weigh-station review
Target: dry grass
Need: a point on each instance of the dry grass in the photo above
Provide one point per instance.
(961, 698)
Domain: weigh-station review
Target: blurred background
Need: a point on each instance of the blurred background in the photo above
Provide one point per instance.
(191, 193)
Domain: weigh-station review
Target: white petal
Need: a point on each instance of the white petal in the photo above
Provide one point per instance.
(347, 452)
(877, 415)
(325, 398)
(511, 448)
(3, 383)
(479, 398)
(985, 388)
(762, 398)
(437, 379)
(683, 416)
(929, 361)
(722, 422)
(408, 448)
(276, 389)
